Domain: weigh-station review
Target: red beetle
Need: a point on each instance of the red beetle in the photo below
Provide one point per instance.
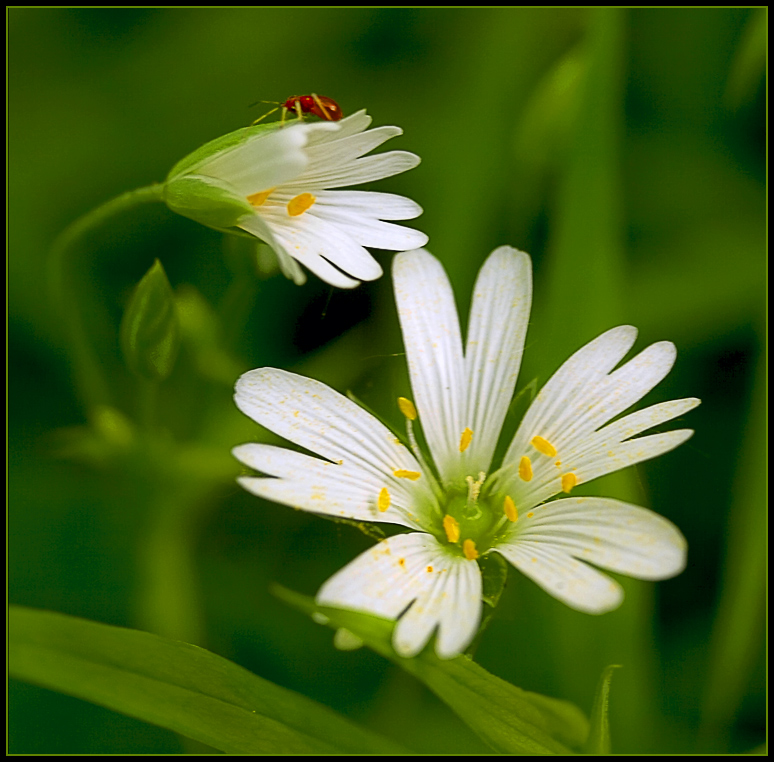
(317, 105)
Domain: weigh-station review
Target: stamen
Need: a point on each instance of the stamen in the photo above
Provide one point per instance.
(469, 550)
(509, 509)
(525, 469)
(299, 204)
(465, 439)
(257, 199)
(384, 500)
(544, 446)
(452, 528)
(568, 482)
(402, 473)
(407, 408)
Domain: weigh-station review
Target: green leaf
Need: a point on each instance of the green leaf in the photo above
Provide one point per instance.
(509, 719)
(206, 200)
(599, 737)
(177, 686)
(149, 329)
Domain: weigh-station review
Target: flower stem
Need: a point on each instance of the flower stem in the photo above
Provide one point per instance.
(89, 380)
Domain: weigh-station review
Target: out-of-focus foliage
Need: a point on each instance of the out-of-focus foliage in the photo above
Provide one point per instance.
(624, 150)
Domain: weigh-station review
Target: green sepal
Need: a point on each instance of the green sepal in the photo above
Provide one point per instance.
(150, 334)
(494, 573)
(206, 200)
(193, 161)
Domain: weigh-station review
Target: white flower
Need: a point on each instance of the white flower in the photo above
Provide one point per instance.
(286, 175)
(461, 508)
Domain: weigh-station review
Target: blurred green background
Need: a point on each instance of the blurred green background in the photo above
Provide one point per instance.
(624, 150)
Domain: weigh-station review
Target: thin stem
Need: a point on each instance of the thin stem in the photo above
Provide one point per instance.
(88, 375)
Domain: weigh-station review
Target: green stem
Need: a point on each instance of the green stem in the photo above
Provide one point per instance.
(89, 380)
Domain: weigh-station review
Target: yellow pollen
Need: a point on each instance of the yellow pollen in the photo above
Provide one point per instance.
(525, 469)
(452, 528)
(407, 408)
(429, 569)
(384, 500)
(299, 204)
(402, 473)
(568, 482)
(544, 446)
(257, 199)
(530, 515)
(509, 508)
(469, 550)
(465, 439)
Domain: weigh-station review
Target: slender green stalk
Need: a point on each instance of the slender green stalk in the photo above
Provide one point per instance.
(88, 376)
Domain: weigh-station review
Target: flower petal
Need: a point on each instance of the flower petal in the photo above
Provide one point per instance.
(319, 486)
(314, 416)
(497, 328)
(431, 334)
(365, 229)
(608, 533)
(579, 399)
(572, 582)
(342, 150)
(261, 162)
(363, 170)
(349, 125)
(381, 206)
(559, 398)
(300, 241)
(445, 591)
(309, 236)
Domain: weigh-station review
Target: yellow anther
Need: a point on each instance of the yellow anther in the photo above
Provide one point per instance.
(384, 500)
(407, 408)
(544, 446)
(509, 509)
(257, 199)
(525, 469)
(568, 482)
(402, 473)
(299, 204)
(465, 439)
(452, 528)
(469, 550)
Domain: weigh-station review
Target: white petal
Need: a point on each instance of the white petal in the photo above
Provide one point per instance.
(314, 416)
(308, 236)
(261, 162)
(608, 533)
(570, 384)
(319, 486)
(366, 230)
(570, 581)
(335, 153)
(349, 125)
(296, 240)
(363, 170)
(497, 328)
(431, 334)
(381, 206)
(605, 460)
(579, 399)
(445, 590)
